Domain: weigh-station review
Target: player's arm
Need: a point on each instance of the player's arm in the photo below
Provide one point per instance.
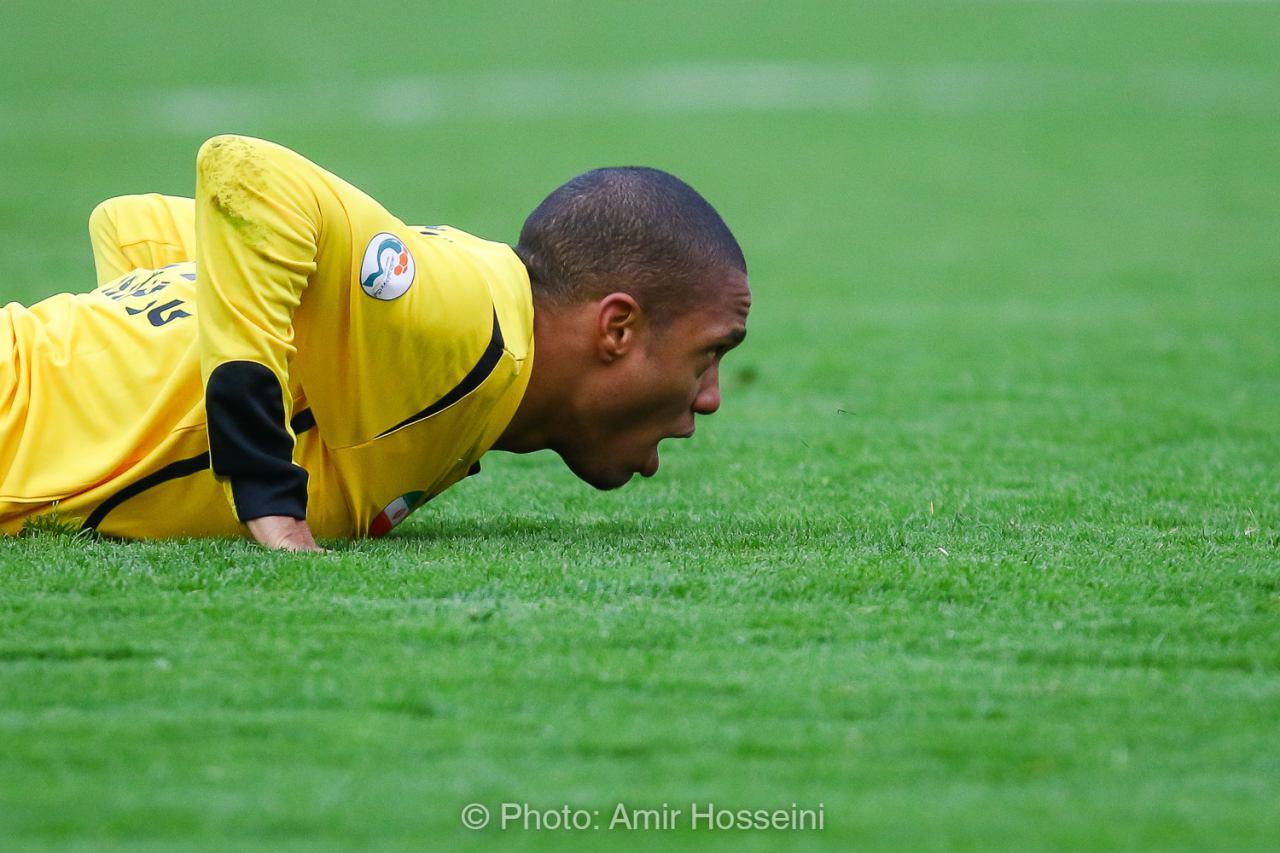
(258, 222)
(148, 231)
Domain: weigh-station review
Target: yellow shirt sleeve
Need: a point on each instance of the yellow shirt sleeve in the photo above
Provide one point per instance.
(257, 223)
(148, 231)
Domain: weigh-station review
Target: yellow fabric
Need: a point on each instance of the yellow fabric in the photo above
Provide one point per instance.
(141, 232)
(101, 394)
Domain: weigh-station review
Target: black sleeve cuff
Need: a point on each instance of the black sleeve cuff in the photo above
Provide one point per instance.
(249, 443)
(257, 498)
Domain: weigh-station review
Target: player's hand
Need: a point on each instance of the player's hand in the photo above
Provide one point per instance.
(283, 533)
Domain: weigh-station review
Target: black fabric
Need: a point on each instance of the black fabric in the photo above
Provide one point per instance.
(172, 471)
(474, 378)
(302, 422)
(248, 442)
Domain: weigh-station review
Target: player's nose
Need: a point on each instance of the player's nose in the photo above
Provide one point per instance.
(708, 399)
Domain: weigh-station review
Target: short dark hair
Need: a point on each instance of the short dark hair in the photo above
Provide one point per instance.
(634, 229)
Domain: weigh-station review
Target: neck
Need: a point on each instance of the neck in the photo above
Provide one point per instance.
(542, 409)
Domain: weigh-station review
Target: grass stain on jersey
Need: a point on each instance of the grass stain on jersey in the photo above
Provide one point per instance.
(229, 170)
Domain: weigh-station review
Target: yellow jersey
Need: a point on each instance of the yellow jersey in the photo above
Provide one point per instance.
(278, 345)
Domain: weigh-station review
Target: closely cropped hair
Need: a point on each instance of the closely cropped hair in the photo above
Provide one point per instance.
(633, 229)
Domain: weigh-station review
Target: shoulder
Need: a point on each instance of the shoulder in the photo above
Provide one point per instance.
(504, 277)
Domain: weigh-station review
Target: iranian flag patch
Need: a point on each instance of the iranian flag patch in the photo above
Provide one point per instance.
(395, 512)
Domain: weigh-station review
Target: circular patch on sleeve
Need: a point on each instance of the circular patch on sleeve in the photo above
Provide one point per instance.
(387, 268)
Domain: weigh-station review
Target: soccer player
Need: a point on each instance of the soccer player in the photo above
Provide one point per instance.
(283, 358)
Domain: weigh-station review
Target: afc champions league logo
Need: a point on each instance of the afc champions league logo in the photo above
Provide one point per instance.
(387, 269)
(395, 512)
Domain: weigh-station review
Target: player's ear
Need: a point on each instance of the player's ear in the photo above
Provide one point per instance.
(618, 322)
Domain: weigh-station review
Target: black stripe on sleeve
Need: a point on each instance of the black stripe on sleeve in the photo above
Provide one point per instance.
(172, 471)
(248, 442)
(301, 422)
(473, 380)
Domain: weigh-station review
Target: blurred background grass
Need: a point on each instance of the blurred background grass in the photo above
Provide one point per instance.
(992, 497)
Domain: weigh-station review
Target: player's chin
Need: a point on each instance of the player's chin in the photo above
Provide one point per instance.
(603, 477)
(606, 481)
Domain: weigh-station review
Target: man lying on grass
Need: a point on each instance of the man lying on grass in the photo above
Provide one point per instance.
(281, 356)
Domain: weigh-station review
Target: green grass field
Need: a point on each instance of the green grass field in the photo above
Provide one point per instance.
(982, 551)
